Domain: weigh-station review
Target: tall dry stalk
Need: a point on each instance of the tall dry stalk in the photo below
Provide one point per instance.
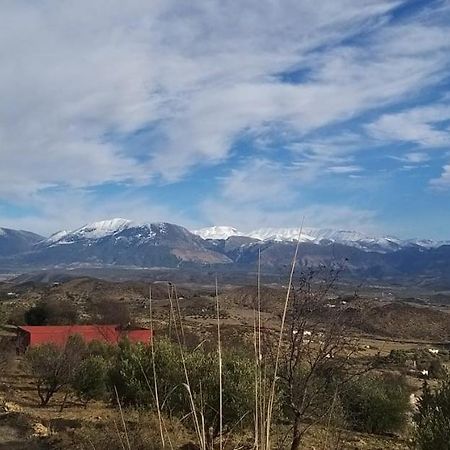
(260, 419)
(123, 420)
(119, 436)
(152, 345)
(219, 351)
(330, 418)
(200, 431)
(256, 351)
(268, 417)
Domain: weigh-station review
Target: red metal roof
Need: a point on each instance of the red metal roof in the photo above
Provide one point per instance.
(58, 334)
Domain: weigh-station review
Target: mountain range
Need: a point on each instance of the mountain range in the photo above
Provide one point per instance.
(322, 236)
(124, 243)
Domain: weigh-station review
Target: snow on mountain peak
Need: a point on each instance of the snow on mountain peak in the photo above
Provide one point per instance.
(322, 236)
(57, 236)
(94, 230)
(2, 232)
(103, 228)
(319, 236)
(106, 228)
(217, 232)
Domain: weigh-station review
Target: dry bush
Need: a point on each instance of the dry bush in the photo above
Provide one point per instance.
(140, 433)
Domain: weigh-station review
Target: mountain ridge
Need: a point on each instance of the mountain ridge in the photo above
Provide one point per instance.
(128, 244)
(320, 235)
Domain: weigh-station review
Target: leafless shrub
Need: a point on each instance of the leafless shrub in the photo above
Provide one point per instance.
(317, 353)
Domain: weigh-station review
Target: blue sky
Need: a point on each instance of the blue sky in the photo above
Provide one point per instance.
(253, 113)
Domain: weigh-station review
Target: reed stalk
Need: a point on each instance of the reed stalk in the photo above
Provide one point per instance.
(152, 345)
(280, 342)
(219, 351)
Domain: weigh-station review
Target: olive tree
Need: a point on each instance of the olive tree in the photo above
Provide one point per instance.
(53, 367)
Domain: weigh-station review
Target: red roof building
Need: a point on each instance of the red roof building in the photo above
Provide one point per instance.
(30, 336)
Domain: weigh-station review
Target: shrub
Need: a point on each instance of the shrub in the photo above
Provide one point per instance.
(436, 368)
(105, 350)
(376, 404)
(399, 357)
(37, 315)
(132, 375)
(3, 315)
(432, 418)
(89, 379)
(237, 389)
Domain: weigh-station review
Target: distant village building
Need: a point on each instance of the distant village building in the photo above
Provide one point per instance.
(31, 336)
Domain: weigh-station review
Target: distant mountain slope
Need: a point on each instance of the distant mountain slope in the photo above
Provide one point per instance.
(13, 242)
(123, 242)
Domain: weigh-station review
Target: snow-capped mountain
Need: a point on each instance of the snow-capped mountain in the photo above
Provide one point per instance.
(98, 230)
(281, 234)
(124, 242)
(321, 236)
(217, 232)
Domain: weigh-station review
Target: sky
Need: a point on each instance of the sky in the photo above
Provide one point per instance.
(250, 113)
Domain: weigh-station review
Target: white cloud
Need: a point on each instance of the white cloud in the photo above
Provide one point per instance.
(344, 169)
(77, 79)
(266, 193)
(260, 181)
(413, 160)
(416, 157)
(75, 73)
(421, 126)
(443, 181)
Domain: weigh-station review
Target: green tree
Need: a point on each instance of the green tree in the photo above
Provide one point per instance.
(432, 418)
(52, 312)
(89, 379)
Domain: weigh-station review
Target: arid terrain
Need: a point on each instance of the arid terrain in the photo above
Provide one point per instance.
(380, 325)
